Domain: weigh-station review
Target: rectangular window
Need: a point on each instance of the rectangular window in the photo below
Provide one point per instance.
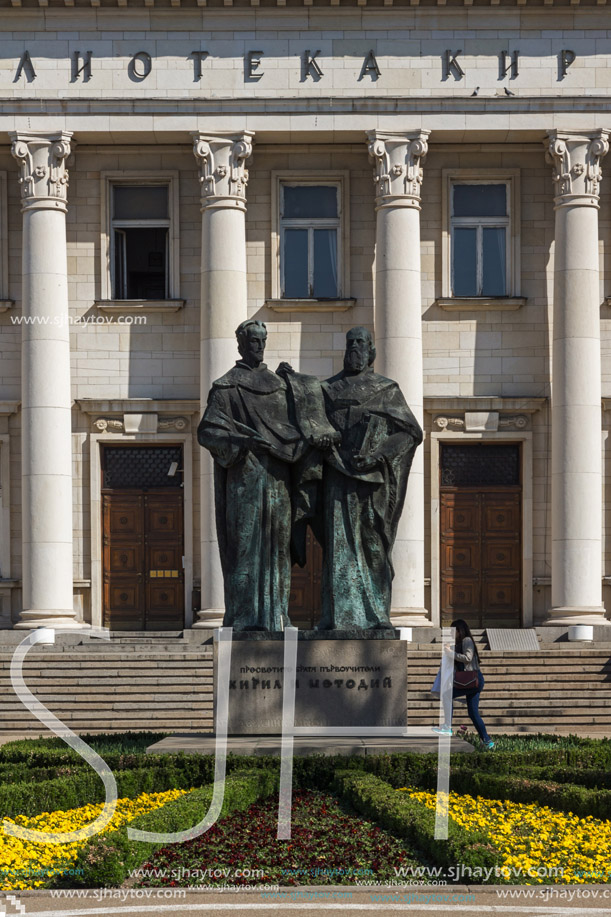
(310, 241)
(141, 237)
(479, 233)
(140, 228)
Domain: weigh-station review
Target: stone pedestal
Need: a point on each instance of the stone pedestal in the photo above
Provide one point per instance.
(398, 159)
(223, 179)
(576, 381)
(340, 683)
(45, 371)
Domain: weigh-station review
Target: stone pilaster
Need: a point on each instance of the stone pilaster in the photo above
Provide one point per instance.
(398, 159)
(223, 179)
(45, 373)
(576, 379)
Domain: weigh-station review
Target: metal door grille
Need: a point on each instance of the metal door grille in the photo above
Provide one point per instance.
(480, 465)
(141, 467)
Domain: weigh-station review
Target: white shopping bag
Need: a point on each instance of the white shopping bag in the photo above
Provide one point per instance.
(436, 689)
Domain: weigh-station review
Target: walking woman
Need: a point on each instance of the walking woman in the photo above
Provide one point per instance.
(466, 658)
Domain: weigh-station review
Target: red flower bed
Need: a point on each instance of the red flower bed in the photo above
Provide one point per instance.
(328, 846)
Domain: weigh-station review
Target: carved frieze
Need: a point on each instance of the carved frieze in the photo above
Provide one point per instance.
(180, 424)
(576, 159)
(398, 160)
(43, 175)
(503, 422)
(515, 422)
(109, 425)
(221, 160)
(164, 425)
(449, 423)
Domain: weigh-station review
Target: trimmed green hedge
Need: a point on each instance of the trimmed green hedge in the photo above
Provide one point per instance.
(86, 787)
(409, 819)
(104, 743)
(566, 797)
(108, 859)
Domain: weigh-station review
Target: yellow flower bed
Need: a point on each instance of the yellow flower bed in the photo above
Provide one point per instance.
(24, 864)
(539, 844)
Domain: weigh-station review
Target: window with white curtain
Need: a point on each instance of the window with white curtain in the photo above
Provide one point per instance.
(481, 234)
(310, 240)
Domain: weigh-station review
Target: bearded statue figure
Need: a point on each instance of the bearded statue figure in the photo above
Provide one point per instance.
(364, 486)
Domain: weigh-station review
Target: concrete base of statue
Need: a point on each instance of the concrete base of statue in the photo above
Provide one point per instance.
(340, 683)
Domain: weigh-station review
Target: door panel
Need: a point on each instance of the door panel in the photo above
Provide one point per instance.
(501, 514)
(461, 559)
(143, 561)
(305, 597)
(481, 554)
(461, 598)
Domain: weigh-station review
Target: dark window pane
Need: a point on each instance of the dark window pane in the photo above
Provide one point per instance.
(309, 202)
(119, 243)
(142, 275)
(325, 263)
(464, 262)
(138, 467)
(480, 465)
(494, 281)
(480, 200)
(295, 263)
(140, 203)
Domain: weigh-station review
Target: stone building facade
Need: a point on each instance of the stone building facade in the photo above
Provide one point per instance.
(429, 170)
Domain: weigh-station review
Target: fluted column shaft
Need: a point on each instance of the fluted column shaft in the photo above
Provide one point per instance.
(45, 371)
(223, 178)
(398, 159)
(576, 380)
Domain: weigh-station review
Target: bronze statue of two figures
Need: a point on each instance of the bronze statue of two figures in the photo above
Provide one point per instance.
(290, 451)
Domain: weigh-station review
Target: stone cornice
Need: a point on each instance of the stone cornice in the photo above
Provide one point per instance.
(538, 6)
(138, 405)
(517, 404)
(52, 106)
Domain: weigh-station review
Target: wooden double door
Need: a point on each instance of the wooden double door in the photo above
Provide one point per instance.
(143, 539)
(481, 541)
(143, 561)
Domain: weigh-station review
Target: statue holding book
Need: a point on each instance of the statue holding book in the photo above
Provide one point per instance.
(364, 486)
(291, 452)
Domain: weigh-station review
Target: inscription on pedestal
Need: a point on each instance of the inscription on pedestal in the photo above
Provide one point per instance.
(338, 683)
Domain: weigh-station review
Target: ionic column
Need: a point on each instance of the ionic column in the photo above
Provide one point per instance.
(398, 159)
(576, 380)
(46, 461)
(223, 178)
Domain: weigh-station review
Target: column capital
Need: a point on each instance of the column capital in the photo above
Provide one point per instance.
(223, 174)
(398, 158)
(576, 157)
(42, 163)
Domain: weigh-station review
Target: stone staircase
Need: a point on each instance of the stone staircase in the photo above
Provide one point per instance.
(162, 682)
(138, 682)
(561, 688)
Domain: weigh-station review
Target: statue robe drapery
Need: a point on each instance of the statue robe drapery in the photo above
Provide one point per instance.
(362, 509)
(258, 495)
